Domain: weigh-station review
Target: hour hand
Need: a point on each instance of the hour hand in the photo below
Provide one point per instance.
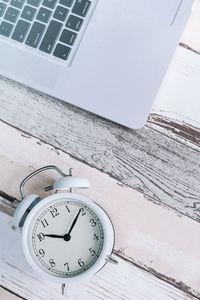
(55, 236)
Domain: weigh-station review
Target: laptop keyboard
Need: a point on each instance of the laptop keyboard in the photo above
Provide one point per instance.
(51, 27)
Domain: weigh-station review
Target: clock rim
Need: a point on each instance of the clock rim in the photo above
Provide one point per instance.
(108, 243)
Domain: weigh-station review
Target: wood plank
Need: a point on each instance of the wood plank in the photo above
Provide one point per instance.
(148, 233)
(190, 38)
(122, 282)
(7, 295)
(178, 97)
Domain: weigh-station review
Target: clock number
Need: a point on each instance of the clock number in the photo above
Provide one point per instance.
(93, 223)
(67, 266)
(95, 237)
(67, 208)
(41, 252)
(81, 263)
(93, 252)
(52, 263)
(83, 213)
(54, 212)
(41, 236)
(44, 223)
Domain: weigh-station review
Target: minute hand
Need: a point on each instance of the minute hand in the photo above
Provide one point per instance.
(74, 222)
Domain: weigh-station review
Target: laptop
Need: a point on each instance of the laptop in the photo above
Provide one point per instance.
(106, 56)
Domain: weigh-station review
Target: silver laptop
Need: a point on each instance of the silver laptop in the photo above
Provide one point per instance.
(106, 56)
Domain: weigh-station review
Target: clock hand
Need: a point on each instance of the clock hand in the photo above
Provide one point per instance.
(54, 236)
(67, 236)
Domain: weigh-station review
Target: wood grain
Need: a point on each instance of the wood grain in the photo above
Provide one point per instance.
(8, 295)
(122, 282)
(149, 234)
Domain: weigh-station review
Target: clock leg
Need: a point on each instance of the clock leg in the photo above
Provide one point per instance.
(111, 260)
(63, 288)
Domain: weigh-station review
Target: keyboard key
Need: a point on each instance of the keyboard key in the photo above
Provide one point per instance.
(35, 3)
(81, 7)
(50, 36)
(44, 15)
(6, 28)
(62, 51)
(28, 13)
(20, 31)
(11, 14)
(67, 3)
(17, 3)
(49, 3)
(52, 26)
(60, 13)
(35, 34)
(74, 23)
(2, 9)
(68, 37)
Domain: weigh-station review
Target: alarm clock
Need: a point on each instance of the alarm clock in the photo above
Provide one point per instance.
(66, 237)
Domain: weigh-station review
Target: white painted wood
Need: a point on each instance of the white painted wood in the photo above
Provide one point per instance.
(178, 97)
(121, 282)
(191, 34)
(184, 136)
(147, 233)
(6, 295)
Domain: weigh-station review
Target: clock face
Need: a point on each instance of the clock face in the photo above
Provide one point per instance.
(66, 238)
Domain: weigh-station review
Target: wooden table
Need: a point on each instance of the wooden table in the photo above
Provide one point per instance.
(147, 180)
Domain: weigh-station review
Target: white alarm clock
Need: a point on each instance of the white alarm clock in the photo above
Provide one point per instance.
(66, 237)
